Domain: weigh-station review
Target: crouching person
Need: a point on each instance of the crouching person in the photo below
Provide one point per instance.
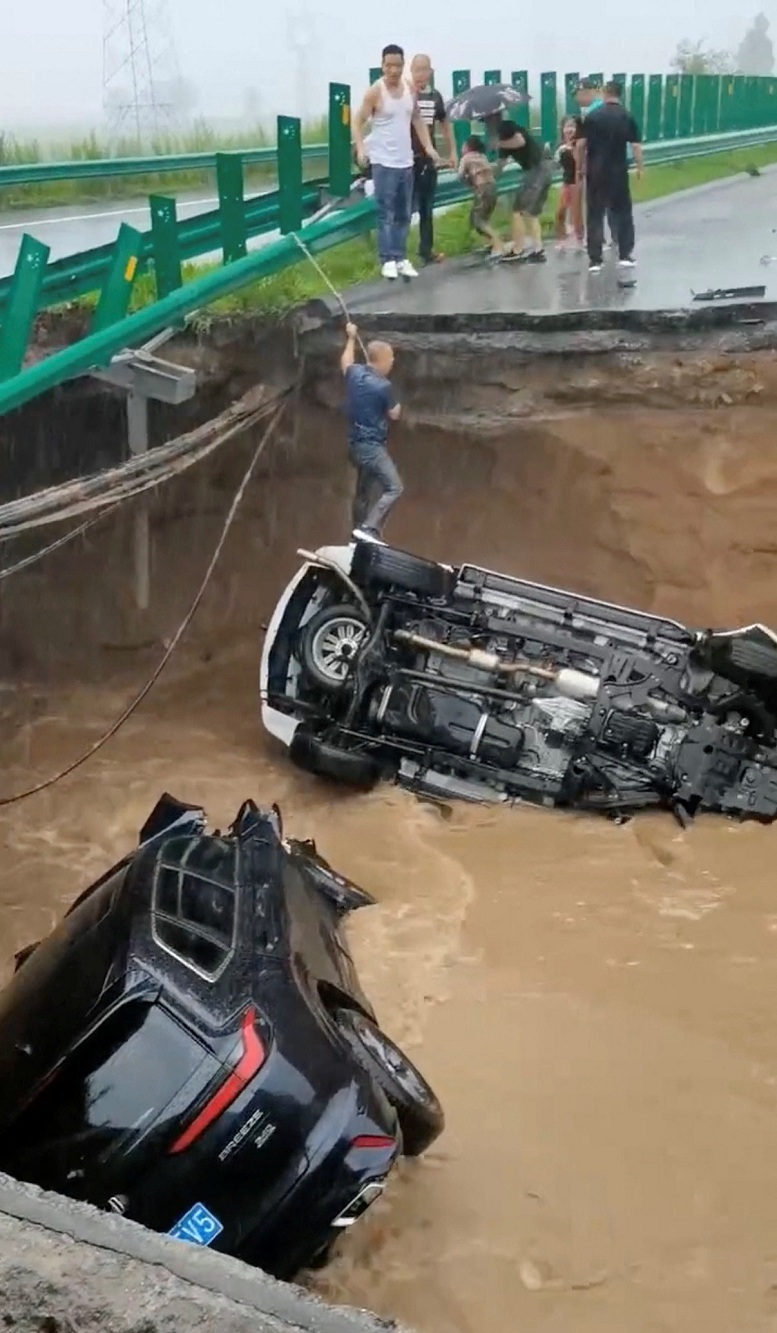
(476, 171)
(370, 405)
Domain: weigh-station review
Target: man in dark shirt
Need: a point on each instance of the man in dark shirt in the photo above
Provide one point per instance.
(432, 111)
(608, 132)
(513, 141)
(370, 405)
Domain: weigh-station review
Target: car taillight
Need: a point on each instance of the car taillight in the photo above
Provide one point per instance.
(253, 1057)
(365, 1141)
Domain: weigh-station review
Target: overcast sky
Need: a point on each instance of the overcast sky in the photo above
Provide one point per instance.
(51, 54)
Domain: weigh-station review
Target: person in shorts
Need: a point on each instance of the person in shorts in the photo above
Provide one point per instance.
(476, 172)
(516, 142)
(569, 214)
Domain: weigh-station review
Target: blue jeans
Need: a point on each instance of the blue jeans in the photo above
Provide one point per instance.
(378, 485)
(394, 204)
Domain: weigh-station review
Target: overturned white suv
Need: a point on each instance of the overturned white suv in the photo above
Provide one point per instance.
(463, 682)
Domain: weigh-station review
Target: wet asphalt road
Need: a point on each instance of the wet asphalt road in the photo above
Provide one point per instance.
(68, 231)
(713, 237)
(82, 226)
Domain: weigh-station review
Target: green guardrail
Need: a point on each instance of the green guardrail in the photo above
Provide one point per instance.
(675, 106)
(112, 270)
(76, 275)
(46, 173)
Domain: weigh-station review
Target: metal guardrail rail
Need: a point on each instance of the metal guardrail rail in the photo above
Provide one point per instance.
(113, 269)
(87, 169)
(78, 275)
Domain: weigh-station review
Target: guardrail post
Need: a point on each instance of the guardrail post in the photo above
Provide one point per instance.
(289, 174)
(571, 83)
(164, 236)
(597, 79)
(637, 101)
(726, 103)
(22, 305)
(549, 126)
(671, 102)
(621, 80)
(492, 76)
(340, 162)
(461, 82)
(685, 106)
(655, 108)
(739, 107)
(375, 73)
(520, 80)
(229, 178)
(117, 289)
(716, 93)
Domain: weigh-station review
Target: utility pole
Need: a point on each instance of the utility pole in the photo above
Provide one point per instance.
(140, 68)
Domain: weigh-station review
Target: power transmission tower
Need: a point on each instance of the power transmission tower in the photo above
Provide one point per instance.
(140, 67)
(301, 40)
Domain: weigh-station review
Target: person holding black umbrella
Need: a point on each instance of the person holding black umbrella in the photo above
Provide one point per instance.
(513, 141)
(488, 102)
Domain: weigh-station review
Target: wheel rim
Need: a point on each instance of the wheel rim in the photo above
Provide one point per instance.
(335, 646)
(392, 1059)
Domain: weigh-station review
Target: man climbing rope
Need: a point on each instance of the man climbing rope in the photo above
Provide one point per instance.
(370, 405)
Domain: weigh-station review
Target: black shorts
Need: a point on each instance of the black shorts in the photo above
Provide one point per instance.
(532, 193)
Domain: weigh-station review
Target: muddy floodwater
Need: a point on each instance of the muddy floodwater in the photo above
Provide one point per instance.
(595, 1004)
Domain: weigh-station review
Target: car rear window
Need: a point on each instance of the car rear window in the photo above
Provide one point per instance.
(194, 905)
(115, 1084)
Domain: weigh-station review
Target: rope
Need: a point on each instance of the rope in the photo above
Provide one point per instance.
(176, 639)
(331, 287)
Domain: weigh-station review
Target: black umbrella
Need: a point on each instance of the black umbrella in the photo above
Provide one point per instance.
(486, 100)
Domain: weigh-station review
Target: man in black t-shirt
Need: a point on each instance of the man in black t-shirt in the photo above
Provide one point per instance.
(432, 111)
(608, 132)
(513, 141)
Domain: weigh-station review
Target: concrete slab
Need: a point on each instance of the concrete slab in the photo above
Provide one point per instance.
(713, 237)
(66, 1267)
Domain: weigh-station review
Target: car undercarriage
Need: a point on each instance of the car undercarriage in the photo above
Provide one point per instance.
(469, 683)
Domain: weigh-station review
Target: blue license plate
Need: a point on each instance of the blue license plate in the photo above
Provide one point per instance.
(198, 1226)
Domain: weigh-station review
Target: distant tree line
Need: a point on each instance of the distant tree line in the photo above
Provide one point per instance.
(755, 54)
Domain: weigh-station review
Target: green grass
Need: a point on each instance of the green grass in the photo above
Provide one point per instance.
(355, 262)
(200, 139)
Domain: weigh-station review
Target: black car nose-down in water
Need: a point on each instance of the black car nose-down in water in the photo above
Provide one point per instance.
(459, 681)
(191, 1047)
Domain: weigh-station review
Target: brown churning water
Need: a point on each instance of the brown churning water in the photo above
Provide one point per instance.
(595, 1004)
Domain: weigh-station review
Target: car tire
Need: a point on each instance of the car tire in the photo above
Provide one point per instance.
(758, 659)
(421, 1117)
(329, 643)
(388, 567)
(329, 761)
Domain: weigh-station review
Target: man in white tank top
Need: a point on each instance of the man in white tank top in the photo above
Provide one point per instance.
(391, 106)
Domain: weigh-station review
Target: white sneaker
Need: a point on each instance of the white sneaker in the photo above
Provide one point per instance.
(406, 270)
(626, 263)
(594, 268)
(390, 269)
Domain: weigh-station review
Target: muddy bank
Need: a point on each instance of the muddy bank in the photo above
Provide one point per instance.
(594, 1004)
(653, 483)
